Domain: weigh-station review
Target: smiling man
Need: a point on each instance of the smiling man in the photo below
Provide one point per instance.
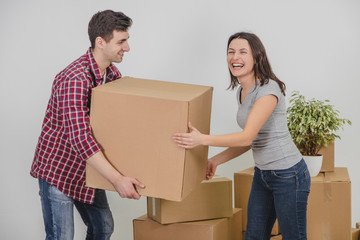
(66, 144)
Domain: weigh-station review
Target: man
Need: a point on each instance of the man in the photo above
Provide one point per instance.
(66, 143)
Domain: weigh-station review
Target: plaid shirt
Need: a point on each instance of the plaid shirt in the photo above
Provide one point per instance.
(66, 142)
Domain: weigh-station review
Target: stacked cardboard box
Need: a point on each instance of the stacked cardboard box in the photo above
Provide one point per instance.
(134, 120)
(328, 153)
(329, 206)
(355, 232)
(206, 213)
(217, 229)
(211, 199)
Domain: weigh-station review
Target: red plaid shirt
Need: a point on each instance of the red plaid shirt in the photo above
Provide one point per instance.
(66, 141)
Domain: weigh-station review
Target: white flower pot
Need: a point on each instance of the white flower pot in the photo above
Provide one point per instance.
(314, 164)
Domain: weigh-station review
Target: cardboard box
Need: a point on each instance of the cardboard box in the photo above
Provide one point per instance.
(242, 187)
(218, 229)
(134, 121)
(329, 206)
(355, 234)
(328, 153)
(276, 237)
(211, 199)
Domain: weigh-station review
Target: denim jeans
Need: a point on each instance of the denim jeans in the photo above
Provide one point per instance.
(58, 214)
(281, 194)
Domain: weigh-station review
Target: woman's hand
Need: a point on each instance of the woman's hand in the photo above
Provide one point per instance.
(211, 168)
(189, 140)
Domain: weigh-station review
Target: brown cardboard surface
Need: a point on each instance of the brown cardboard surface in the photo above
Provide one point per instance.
(134, 120)
(329, 206)
(242, 186)
(218, 229)
(211, 199)
(276, 237)
(328, 153)
(355, 234)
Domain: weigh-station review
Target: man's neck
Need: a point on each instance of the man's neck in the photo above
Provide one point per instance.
(100, 61)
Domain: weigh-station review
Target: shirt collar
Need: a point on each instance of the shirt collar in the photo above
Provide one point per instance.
(93, 65)
(110, 71)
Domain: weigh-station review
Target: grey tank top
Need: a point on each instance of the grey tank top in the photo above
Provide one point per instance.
(273, 147)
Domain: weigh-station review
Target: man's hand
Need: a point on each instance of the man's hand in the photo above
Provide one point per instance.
(126, 187)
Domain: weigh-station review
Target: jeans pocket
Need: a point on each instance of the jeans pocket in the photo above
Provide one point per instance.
(284, 174)
(307, 178)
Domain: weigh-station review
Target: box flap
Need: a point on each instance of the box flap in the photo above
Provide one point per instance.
(154, 88)
(248, 171)
(216, 178)
(340, 174)
(141, 218)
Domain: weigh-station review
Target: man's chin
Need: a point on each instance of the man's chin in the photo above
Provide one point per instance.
(117, 61)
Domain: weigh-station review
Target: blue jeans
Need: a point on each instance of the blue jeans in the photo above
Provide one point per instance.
(58, 214)
(280, 194)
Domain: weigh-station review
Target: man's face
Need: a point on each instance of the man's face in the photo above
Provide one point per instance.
(115, 48)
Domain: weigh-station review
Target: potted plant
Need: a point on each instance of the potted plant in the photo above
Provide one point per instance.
(312, 125)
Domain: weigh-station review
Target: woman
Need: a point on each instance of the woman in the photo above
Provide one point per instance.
(281, 183)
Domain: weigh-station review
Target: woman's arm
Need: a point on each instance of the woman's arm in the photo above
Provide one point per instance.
(260, 112)
(223, 157)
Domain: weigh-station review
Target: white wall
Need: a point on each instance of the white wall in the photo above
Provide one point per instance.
(313, 47)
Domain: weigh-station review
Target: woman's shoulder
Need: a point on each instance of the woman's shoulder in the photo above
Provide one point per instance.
(271, 87)
(272, 84)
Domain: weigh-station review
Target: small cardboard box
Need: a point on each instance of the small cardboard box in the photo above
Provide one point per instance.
(134, 120)
(211, 199)
(328, 153)
(217, 229)
(242, 187)
(329, 206)
(355, 234)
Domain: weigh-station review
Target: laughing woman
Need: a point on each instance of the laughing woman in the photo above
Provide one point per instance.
(281, 183)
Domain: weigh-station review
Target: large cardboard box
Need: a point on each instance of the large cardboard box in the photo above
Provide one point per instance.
(328, 153)
(329, 206)
(134, 121)
(242, 186)
(217, 229)
(211, 199)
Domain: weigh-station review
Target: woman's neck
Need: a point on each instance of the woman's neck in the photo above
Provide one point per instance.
(247, 83)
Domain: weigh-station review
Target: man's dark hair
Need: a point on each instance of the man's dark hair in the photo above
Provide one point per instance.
(103, 23)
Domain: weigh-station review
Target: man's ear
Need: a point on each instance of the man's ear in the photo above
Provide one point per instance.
(99, 42)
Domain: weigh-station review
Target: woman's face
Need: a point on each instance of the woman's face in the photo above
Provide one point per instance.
(240, 58)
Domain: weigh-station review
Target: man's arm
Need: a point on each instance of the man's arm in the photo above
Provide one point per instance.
(125, 186)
